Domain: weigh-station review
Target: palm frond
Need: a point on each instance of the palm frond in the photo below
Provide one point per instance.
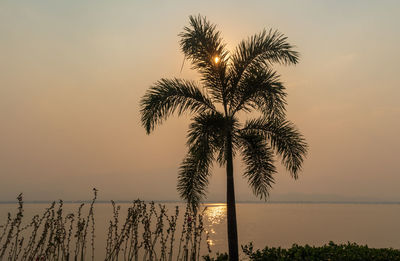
(204, 138)
(260, 89)
(207, 128)
(259, 161)
(193, 178)
(285, 139)
(170, 95)
(232, 124)
(201, 43)
(261, 49)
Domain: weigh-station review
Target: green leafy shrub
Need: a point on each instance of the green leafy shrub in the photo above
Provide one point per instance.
(331, 252)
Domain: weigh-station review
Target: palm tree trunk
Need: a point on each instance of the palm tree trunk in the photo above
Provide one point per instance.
(230, 201)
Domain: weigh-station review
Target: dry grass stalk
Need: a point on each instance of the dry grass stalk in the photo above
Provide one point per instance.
(146, 233)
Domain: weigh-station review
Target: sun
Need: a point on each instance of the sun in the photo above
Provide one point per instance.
(216, 59)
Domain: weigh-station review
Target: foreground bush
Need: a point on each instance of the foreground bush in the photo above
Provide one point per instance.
(331, 252)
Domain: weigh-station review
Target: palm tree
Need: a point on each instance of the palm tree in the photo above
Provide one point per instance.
(241, 81)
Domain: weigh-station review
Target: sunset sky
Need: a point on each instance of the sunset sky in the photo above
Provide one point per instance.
(72, 74)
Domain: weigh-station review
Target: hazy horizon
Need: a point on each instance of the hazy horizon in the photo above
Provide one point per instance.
(274, 198)
(72, 74)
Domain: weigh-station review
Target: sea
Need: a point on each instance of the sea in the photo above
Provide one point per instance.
(273, 224)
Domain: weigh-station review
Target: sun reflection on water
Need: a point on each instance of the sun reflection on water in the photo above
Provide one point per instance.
(215, 214)
(215, 223)
(210, 242)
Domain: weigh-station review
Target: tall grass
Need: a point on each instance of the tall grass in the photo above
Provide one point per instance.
(145, 232)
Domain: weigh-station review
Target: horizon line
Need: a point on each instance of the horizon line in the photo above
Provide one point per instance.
(388, 202)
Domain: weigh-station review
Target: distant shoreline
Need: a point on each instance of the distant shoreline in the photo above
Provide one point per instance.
(214, 202)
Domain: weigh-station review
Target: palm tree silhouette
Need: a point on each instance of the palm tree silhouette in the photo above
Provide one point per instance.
(239, 82)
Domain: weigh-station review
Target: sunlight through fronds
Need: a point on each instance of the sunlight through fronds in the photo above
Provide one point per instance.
(243, 81)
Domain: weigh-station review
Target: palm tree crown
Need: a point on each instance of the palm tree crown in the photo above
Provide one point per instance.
(241, 81)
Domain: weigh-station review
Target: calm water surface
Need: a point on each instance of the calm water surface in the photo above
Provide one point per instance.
(273, 224)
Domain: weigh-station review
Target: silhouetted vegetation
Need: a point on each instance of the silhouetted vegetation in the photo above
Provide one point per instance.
(234, 82)
(147, 232)
(330, 252)
(144, 232)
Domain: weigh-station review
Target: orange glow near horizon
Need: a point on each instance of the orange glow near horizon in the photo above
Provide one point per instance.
(72, 121)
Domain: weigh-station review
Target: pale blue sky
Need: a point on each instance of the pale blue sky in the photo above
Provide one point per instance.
(72, 73)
